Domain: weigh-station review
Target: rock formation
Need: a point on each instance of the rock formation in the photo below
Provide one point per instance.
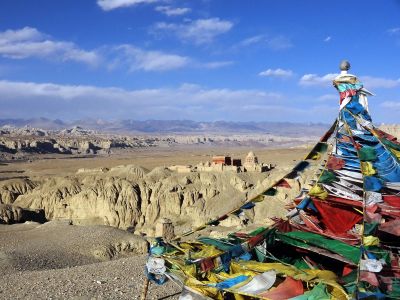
(10, 214)
(132, 197)
(17, 143)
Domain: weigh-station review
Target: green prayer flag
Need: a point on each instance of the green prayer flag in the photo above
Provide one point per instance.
(303, 239)
(319, 292)
(367, 153)
(327, 177)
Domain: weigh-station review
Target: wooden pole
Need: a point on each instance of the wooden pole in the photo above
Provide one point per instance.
(145, 289)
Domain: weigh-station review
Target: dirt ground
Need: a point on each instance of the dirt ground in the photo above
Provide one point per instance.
(61, 261)
(56, 165)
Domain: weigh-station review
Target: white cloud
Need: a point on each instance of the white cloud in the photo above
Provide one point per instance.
(21, 35)
(277, 73)
(379, 82)
(252, 40)
(108, 5)
(187, 101)
(135, 59)
(79, 101)
(173, 11)
(139, 59)
(199, 31)
(391, 105)
(394, 31)
(315, 80)
(278, 42)
(29, 42)
(216, 64)
(327, 39)
(368, 81)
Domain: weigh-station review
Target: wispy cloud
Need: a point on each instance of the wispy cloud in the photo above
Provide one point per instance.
(148, 60)
(327, 39)
(80, 101)
(379, 82)
(316, 80)
(391, 105)
(277, 42)
(187, 101)
(29, 42)
(252, 40)
(134, 58)
(108, 5)
(173, 11)
(394, 31)
(277, 73)
(368, 81)
(199, 31)
(216, 64)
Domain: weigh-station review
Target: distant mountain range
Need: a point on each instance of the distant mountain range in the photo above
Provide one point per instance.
(174, 126)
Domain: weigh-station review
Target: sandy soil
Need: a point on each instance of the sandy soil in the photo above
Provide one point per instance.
(117, 279)
(50, 165)
(56, 261)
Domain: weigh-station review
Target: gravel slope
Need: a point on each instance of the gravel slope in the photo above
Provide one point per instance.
(118, 279)
(60, 261)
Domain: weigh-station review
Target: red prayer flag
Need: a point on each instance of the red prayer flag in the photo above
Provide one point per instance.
(288, 289)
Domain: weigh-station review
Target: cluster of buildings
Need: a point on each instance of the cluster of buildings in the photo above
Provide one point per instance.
(223, 163)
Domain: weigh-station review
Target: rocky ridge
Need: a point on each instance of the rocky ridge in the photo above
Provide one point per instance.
(133, 197)
(22, 142)
(26, 140)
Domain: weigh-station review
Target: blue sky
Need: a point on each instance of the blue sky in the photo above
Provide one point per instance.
(202, 60)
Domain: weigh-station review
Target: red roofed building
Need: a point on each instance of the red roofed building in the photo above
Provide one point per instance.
(222, 160)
